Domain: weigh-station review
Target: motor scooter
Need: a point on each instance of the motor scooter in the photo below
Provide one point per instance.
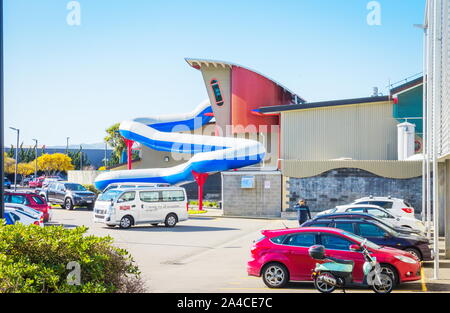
(331, 273)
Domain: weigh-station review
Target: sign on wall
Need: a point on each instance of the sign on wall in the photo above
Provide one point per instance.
(247, 182)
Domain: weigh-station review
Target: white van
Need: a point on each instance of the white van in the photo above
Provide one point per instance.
(143, 205)
(133, 185)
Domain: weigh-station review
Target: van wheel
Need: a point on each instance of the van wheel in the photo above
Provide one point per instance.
(68, 205)
(126, 222)
(171, 220)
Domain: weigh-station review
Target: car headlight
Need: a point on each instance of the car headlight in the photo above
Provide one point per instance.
(405, 259)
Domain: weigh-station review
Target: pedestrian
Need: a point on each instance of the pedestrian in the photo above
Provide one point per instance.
(303, 211)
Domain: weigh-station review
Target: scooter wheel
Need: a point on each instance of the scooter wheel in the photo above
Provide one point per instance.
(386, 286)
(322, 286)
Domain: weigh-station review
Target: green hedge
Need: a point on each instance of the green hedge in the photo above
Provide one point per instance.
(34, 260)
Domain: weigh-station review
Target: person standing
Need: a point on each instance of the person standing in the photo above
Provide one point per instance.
(303, 211)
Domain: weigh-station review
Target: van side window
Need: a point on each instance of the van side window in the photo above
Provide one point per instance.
(128, 196)
(149, 196)
(172, 195)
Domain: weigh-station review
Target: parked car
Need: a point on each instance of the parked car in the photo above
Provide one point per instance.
(50, 179)
(396, 206)
(375, 210)
(26, 181)
(6, 183)
(357, 215)
(132, 206)
(36, 182)
(68, 195)
(31, 200)
(20, 207)
(281, 256)
(17, 216)
(379, 234)
(133, 185)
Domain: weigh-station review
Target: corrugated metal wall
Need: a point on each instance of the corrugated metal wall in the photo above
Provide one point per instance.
(361, 132)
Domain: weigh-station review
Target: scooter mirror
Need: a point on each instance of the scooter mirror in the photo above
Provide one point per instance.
(355, 248)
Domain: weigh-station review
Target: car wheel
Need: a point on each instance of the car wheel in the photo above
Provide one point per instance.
(68, 204)
(126, 222)
(415, 252)
(275, 275)
(391, 271)
(171, 220)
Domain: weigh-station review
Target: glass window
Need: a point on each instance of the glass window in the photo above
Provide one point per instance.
(370, 230)
(128, 196)
(383, 204)
(334, 242)
(216, 91)
(18, 199)
(301, 240)
(109, 195)
(172, 195)
(75, 187)
(345, 226)
(377, 213)
(149, 196)
(320, 224)
(14, 217)
(38, 200)
(358, 210)
(278, 240)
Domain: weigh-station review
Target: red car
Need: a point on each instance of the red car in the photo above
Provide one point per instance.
(36, 183)
(282, 256)
(31, 200)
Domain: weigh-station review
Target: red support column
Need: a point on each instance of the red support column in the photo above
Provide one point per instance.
(200, 178)
(129, 144)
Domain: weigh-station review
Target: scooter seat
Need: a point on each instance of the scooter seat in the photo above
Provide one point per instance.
(340, 261)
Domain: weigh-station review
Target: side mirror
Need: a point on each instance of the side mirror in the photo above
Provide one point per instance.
(355, 248)
(386, 236)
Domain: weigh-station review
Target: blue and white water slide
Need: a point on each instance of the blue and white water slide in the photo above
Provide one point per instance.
(211, 154)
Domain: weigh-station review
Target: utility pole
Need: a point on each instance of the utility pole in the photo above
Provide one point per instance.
(35, 158)
(81, 158)
(67, 145)
(17, 157)
(2, 205)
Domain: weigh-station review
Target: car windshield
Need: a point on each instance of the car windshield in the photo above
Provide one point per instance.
(74, 187)
(110, 195)
(359, 239)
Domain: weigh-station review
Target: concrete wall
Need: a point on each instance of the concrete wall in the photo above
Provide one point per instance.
(83, 177)
(264, 200)
(342, 186)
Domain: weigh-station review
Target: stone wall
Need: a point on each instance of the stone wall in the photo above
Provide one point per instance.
(263, 200)
(342, 186)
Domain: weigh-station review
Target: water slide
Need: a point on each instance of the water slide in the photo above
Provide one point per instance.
(210, 154)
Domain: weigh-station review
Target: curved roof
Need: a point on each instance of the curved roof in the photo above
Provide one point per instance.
(197, 63)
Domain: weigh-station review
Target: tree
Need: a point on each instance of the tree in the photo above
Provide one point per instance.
(117, 142)
(77, 157)
(25, 169)
(9, 164)
(52, 164)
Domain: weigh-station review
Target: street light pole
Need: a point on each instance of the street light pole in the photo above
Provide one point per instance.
(67, 145)
(35, 158)
(17, 157)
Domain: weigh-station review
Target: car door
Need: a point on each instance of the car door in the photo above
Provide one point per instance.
(300, 264)
(150, 205)
(60, 193)
(126, 204)
(338, 247)
(51, 192)
(172, 201)
(375, 234)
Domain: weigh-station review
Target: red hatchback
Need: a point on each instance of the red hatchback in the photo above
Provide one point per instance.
(37, 182)
(31, 200)
(284, 254)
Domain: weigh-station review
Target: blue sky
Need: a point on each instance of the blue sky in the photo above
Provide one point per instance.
(126, 59)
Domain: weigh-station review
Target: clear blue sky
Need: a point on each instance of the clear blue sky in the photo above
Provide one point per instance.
(126, 59)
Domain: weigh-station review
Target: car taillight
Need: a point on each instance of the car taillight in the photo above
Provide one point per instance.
(407, 210)
(36, 223)
(187, 206)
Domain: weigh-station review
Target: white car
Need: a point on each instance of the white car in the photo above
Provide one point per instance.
(397, 207)
(26, 209)
(133, 206)
(377, 211)
(133, 185)
(18, 216)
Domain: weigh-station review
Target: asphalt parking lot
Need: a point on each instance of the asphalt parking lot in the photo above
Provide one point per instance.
(204, 254)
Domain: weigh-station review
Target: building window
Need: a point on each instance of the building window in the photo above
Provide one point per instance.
(216, 91)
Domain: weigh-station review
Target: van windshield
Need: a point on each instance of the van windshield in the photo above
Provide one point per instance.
(111, 194)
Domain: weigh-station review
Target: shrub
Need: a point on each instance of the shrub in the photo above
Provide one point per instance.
(34, 260)
(92, 188)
